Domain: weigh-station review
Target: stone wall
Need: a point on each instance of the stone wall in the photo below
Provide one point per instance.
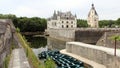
(98, 36)
(6, 33)
(106, 40)
(62, 34)
(101, 55)
(88, 36)
(54, 44)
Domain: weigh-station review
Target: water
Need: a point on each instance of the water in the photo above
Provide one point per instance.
(42, 43)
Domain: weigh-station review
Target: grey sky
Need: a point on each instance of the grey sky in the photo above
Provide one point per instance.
(106, 9)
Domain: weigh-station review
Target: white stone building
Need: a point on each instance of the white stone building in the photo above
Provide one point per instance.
(62, 20)
(93, 18)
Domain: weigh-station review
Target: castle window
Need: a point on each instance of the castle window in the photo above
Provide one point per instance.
(55, 23)
(66, 26)
(67, 18)
(71, 22)
(62, 21)
(71, 26)
(62, 26)
(95, 19)
(67, 22)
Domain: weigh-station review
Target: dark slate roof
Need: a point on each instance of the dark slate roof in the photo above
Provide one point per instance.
(63, 15)
(93, 8)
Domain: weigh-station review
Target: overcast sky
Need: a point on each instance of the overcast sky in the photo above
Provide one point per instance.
(106, 9)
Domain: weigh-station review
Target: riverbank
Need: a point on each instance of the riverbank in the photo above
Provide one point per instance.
(35, 63)
(32, 33)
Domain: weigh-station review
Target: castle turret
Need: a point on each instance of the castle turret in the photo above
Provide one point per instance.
(93, 18)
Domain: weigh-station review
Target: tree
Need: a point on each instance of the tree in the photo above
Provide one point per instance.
(82, 23)
(115, 38)
(104, 23)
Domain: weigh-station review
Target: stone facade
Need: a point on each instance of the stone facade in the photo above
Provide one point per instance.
(101, 55)
(62, 20)
(93, 18)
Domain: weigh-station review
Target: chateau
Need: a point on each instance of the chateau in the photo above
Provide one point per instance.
(62, 20)
(68, 20)
(93, 18)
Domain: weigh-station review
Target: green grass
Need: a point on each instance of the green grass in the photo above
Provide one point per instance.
(31, 56)
(6, 61)
(50, 63)
(7, 58)
(29, 53)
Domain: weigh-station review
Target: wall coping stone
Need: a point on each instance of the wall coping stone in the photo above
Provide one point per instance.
(101, 48)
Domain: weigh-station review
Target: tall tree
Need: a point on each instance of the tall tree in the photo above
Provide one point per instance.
(115, 38)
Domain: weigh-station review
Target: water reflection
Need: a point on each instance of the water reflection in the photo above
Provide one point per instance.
(55, 44)
(36, 41)
(39, 44)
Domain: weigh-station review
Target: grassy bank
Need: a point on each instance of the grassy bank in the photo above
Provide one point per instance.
(6, 61)
(29, 53)
(34, 61)
(7, 58)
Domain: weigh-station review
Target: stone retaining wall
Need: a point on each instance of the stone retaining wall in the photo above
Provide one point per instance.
(106, 40)
(6, 34)
(62, 34)
(98, 54)
(98, 36)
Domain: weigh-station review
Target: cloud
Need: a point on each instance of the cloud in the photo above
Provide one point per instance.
(25, 11)
(45, 8)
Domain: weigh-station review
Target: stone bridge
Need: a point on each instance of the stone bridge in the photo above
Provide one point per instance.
(96, 56)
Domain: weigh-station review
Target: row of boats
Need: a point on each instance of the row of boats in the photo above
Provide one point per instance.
(62, 60)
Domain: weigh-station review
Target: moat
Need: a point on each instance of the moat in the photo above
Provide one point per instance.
(43, 43)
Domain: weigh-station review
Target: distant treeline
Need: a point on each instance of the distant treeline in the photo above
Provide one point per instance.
(36, 24)
(102, 23)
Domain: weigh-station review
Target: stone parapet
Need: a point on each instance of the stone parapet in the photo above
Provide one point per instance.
(99, 54)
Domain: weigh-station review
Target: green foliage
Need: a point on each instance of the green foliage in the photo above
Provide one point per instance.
(50, 63)
(115, 37)
(7, 58)
(82, 23)
(36, 42)
(30, 54)
(25, 24)
(106, 23)
(31, 24)
(118, 21)
(17, 29)
(6, 61)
